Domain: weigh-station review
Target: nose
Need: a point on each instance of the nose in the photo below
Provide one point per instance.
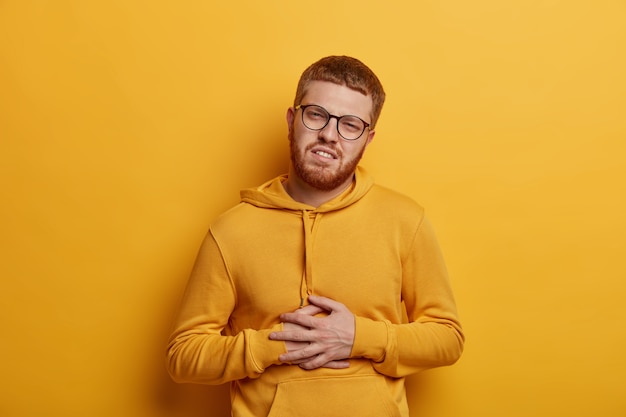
(330, 132)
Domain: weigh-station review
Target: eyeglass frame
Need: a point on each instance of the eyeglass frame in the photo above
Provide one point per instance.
(331, 116)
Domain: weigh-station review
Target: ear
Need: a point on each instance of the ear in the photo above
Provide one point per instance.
(370, 137)
(291, 114)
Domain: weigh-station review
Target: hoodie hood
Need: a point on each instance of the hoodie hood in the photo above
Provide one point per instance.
(272, 195)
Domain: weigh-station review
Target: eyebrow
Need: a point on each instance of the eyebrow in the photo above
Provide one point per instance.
(336, 115)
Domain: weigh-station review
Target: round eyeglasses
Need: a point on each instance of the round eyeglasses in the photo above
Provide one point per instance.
(316, 118)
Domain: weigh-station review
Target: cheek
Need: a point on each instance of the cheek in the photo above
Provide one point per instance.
(354, 151)
(300, 130)
(302, 136)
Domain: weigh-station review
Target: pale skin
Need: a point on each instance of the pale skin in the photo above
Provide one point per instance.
(321, 334)
(314, 342)
(338, 100)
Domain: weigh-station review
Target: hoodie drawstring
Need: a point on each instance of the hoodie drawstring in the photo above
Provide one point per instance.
(309, 222)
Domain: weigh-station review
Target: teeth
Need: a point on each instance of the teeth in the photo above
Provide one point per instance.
(324, 154)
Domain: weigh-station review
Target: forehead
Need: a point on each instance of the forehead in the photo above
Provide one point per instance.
(338, 99)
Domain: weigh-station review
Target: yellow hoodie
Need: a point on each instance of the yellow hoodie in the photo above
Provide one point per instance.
(370, 248)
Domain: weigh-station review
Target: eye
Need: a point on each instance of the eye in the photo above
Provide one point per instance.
(316, 112)
(351, 123)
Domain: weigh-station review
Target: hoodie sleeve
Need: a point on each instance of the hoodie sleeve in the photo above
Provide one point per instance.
(432, 336)
(198, 351)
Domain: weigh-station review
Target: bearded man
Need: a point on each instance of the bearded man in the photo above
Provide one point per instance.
(320, 291)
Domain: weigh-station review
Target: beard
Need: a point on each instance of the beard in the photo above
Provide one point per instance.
(321, 177)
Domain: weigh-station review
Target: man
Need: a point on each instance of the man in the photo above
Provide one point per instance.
(320, 291)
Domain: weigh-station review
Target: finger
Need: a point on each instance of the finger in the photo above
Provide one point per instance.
(291, 346)
(303, 355)
(297, 361)
(321, 362)
(326, 303)
(298, 336)
(297, 318)
(293, 327)
(309, 310)
(310, 364)
(337, 364)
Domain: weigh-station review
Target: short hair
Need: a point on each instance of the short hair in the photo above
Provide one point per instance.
(348, 71)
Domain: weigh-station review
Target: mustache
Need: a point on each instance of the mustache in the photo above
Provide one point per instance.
(334, 148)
(292, 141)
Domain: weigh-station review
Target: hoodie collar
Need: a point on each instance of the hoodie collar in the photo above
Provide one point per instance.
(272, 195)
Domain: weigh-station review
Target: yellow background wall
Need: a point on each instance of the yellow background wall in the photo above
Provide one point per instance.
(127, 126)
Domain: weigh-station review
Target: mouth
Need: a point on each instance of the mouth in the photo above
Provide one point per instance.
(324, 153)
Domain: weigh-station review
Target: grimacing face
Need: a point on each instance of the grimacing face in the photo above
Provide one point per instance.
(322, 159)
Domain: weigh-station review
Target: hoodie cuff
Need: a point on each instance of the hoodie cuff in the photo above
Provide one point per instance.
(263, 351)
(370, 339)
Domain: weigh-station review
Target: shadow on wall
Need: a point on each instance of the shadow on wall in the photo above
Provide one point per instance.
(168, 398)
(191, 400)
(260, 160)
(424, 392)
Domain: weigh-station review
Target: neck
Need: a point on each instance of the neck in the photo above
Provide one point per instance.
(304, 193)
